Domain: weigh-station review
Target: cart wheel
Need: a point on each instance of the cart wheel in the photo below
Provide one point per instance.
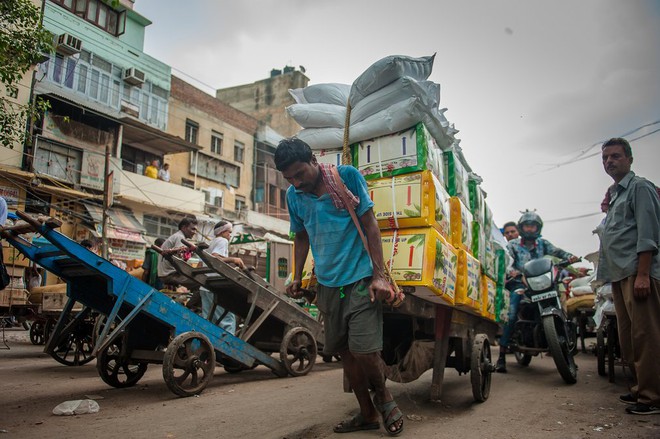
(48, 327)
(523, 359)
(38, 332)
(99, 325)
(481, 368)
(75, 347)
(115, 369)
(188, 364)
(601, 352)
(612, 345)
(298, 351)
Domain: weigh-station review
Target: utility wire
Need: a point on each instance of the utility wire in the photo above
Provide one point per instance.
(580, 157)
(570, 218)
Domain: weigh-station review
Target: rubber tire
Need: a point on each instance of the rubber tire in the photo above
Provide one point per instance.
(174, 383)
(132, 372)
(523, 359)
(481, 368)
(305, 356)
(559, 351)
(79, 345)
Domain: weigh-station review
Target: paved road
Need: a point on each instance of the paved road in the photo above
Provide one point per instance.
(530, 402)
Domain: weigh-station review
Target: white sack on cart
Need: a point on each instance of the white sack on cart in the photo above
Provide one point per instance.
(604, 303)
(322, 115)
(318, 115)
(387, 70)
(330, 93)
(396, 118)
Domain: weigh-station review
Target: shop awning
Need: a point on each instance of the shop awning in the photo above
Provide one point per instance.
(122, 223)
(139, 134)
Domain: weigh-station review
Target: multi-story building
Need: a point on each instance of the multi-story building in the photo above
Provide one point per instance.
(107, 98)
(222, 167)
(266, 100)
(114, 110)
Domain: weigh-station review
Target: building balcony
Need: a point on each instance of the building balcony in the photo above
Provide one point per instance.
(165, 195)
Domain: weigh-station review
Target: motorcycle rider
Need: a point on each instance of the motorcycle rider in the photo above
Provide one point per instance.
(527, 247)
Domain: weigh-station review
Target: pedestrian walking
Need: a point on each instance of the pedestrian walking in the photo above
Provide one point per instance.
(351, 285)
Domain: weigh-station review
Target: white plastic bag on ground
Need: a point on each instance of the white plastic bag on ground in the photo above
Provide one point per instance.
(76, 407)
(387, 70)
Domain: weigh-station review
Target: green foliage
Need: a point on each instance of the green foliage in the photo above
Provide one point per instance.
(439, 256)
(23, 42)
(416, 240)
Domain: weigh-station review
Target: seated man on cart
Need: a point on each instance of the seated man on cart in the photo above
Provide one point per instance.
(167, 274)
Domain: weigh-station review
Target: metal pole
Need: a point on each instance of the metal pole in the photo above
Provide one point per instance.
(106, 201)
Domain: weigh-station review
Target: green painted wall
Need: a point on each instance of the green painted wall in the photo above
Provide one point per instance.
(125, 51)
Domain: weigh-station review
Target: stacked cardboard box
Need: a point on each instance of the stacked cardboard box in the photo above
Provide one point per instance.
(15, 293)
(435, 224)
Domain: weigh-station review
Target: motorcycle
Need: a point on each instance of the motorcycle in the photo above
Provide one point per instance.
(542, 324)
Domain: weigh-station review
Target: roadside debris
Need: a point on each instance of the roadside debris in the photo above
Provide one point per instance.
(76, 407)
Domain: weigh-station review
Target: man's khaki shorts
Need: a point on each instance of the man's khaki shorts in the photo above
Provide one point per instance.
(352, 322)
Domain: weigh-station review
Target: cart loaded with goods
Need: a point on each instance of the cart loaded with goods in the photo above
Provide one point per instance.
(439, 241)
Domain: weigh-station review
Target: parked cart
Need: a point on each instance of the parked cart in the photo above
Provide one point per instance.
(420, 335)
(608, 349)
(272, 322)
(147, 326)
(74, 345)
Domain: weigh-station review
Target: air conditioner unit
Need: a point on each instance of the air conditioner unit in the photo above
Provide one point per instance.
(67, 44)
(210, 209)
(134, 76)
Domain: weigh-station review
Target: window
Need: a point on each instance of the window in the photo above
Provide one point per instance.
(240, 205)
(213, 168)
(282, 198)
(159, 226)
(98, 13)
(185, 182)
(272, 195)
(282, 268)
(239, 150)
(216, 142)
(192, 129)
(136, 160)
(100, 80)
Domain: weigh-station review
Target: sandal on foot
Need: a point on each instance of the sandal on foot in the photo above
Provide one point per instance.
(356, 423)
(391, 415)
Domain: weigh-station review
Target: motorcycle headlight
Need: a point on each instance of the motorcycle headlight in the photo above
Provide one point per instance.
(540, 283)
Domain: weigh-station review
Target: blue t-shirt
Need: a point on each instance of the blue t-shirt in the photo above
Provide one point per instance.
(339, 254)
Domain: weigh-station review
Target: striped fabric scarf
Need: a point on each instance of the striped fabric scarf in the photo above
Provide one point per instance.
(334, 187)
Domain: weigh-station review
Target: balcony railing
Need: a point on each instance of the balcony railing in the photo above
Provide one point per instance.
(159, 193)
(101, 82)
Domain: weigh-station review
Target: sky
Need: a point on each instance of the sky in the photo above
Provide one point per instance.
(534, 87)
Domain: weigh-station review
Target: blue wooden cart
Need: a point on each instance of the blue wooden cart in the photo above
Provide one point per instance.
(270, 321)
(147, 326)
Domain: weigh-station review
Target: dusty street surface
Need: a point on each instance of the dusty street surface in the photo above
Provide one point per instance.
(528, 402)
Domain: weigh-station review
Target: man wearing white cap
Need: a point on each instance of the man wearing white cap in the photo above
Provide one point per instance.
(219, 247)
